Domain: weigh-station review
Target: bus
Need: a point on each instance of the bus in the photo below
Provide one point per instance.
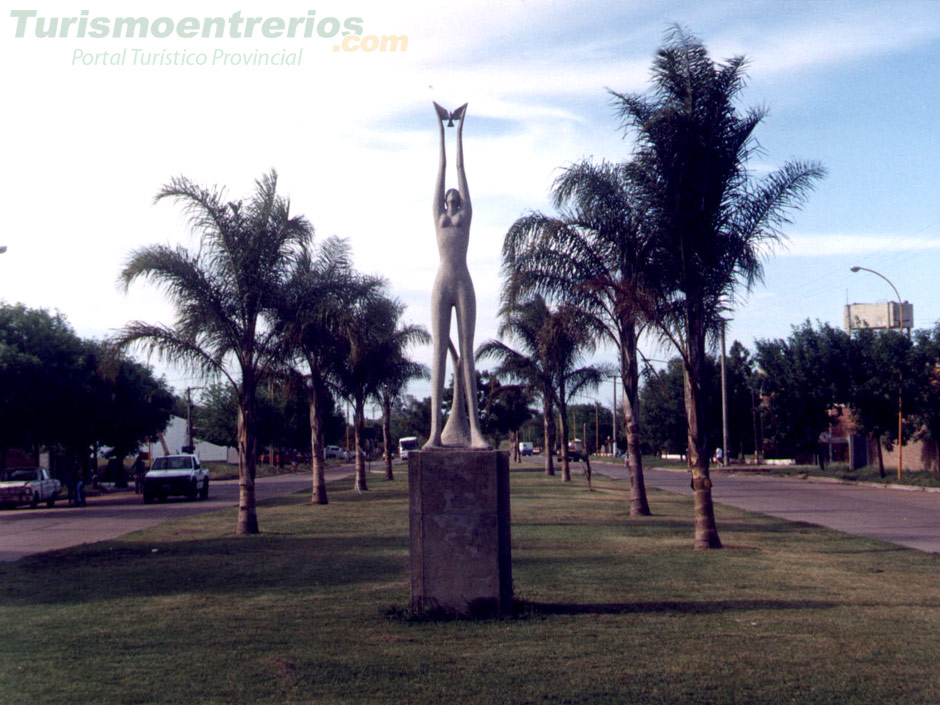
(405, 445)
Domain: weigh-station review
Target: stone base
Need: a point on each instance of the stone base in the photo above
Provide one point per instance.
(459, 514)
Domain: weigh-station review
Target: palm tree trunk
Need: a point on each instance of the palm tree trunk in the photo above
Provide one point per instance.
(881, 458)
(706, 531)
(247, 459)
(936, 454)
(359, 426)
(630, 375)
(318, 494)
(387, 435)
(565, 460)
(548, 423)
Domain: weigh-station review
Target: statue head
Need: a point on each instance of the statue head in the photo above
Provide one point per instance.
(452, 200)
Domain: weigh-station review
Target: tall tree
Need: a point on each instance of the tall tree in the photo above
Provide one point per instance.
(398, 371)
(553, 343)
(884, 365)
(522, 323)
(132, 404)
(504, 409)
(806, 378)
(44, 371)
(663, 405)
(411, 417)
(926, 368)
(220, 292)
(373, 333)
(310, 317)
(595, 255)
(710, 218)
(741, 411)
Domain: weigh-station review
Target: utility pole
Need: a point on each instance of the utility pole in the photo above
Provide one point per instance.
(597, 437)
(189, 419)
(724, 399)
(613, 422)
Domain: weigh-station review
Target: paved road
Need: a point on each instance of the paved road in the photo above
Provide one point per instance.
(907, 518)
(24, 531)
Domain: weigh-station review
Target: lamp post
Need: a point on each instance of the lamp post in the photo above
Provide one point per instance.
(900, 373)
(724, 398)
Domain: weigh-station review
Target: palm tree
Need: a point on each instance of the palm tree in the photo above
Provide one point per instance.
(711, 219)
(597, 256)
(397, 372)
(523, 321)
(374, 336)
(220, 293)
(309, 317)
(552, 343)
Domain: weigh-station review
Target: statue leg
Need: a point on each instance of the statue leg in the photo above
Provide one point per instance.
(466, 323)
(457, 429)
(440, 336)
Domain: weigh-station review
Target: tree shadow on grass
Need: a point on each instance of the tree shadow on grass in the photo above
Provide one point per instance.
(524, 608)
(281, 563)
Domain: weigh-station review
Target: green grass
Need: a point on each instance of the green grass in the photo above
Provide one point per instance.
(226, 471)
(611, 610)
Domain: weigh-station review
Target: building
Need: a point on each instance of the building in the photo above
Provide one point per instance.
(878, 316)
(174, 439)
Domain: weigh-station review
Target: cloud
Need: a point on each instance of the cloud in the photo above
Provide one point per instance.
(815, 35)
(843, 244)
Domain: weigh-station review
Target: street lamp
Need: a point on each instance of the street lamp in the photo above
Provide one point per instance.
(900, 373)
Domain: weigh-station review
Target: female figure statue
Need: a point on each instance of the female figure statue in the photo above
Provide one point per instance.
(453, 289)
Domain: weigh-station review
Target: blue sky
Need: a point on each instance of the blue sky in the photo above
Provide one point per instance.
(853, 85)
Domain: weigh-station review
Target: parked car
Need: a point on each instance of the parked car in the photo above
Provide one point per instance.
(28, 486)
(525, 448)
(576, 451)
(176, 475)
(332, 452)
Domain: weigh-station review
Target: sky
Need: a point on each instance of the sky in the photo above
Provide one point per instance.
(94, 126)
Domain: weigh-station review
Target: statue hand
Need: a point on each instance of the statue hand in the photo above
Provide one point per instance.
(442, 114)
(459, 114)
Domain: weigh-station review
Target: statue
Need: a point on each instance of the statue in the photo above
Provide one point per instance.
(453, 289)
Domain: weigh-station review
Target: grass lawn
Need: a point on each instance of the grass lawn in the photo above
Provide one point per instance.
(227, 471)
(612, 610)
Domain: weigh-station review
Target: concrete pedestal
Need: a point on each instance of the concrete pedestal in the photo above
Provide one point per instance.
(459, 514)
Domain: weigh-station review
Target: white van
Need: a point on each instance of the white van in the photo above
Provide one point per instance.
(525, 448)
(406, 445)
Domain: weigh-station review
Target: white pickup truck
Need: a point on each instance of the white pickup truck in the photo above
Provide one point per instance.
(176, 475)
(28, 486)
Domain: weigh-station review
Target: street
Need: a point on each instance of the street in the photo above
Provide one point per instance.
(907, 518)
(24, 531)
